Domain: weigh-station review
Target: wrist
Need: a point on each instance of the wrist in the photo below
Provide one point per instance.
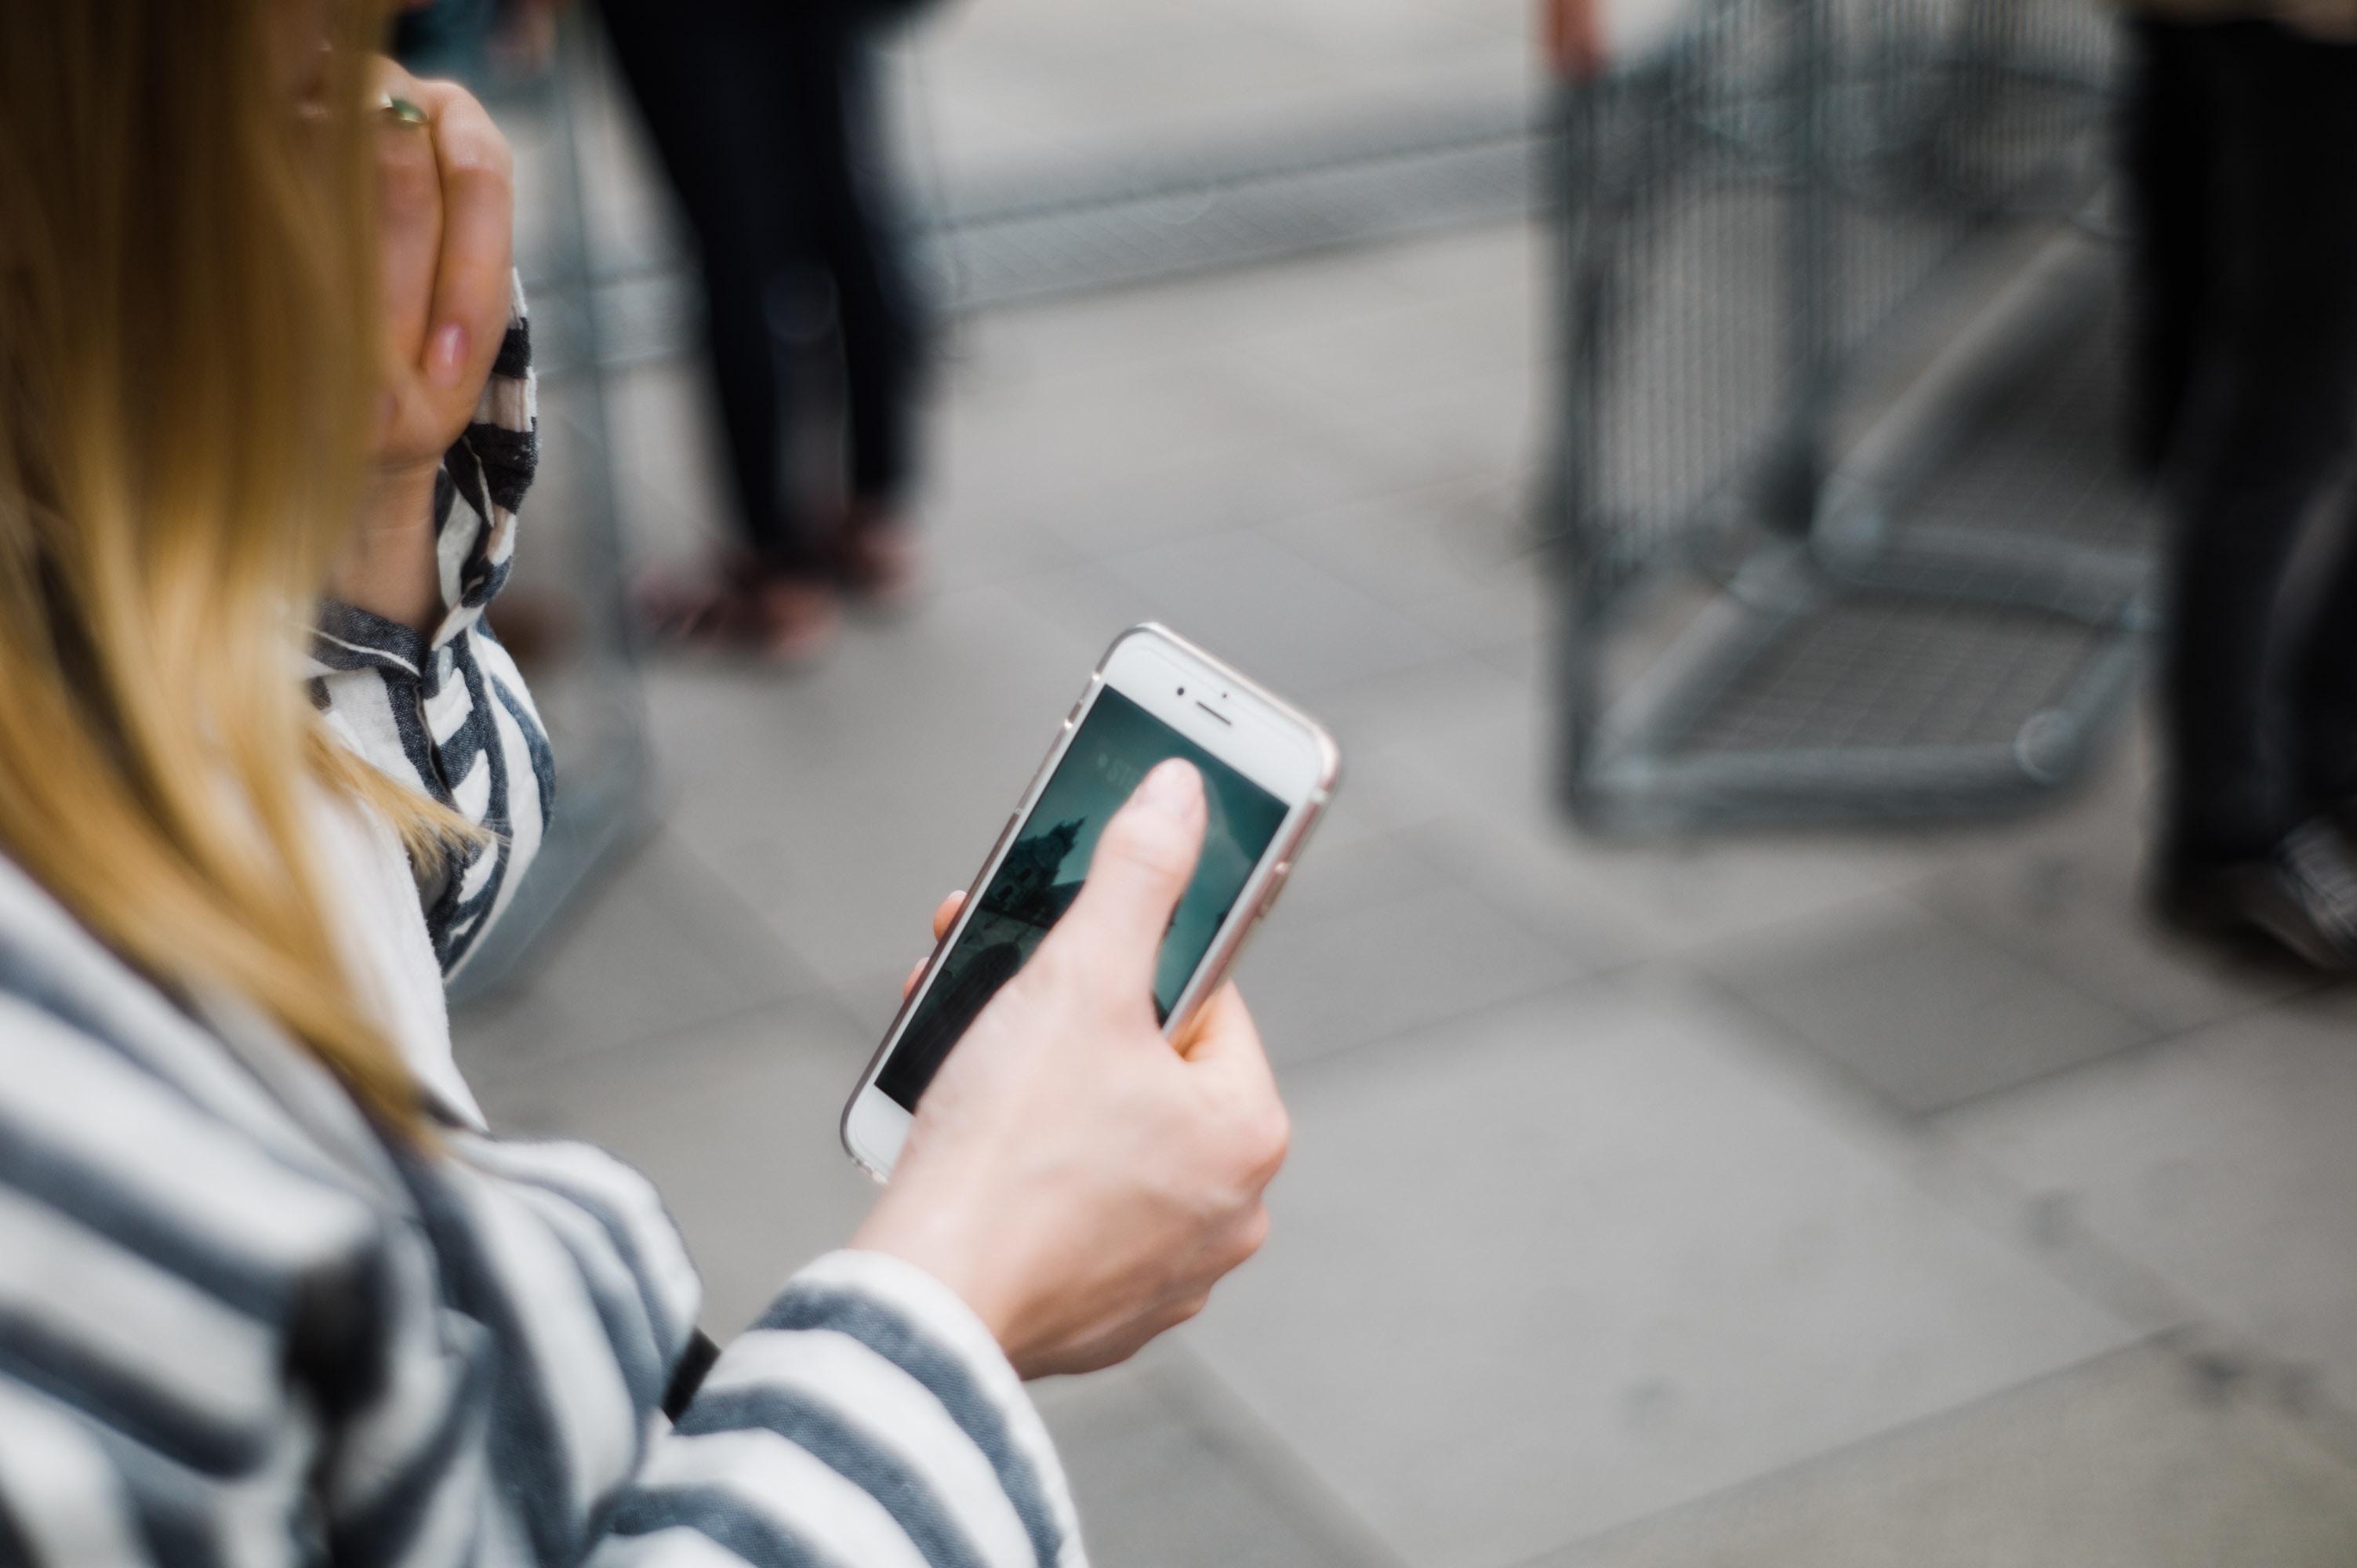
(397, 502)
(950, 1251)
(388, 565)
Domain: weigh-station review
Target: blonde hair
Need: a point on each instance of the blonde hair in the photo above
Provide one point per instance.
(187, 341)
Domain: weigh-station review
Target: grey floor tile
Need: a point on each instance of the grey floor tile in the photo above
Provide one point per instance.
(1388, 721)
(1472, 755)
(2067, 887)
(1416, 548)
(2223, 1166)
(1083, 443)
(1280, 619)
(1324, 985)
(736, 1124)
(970, 540)
(2133, 1461)
(1507, 620)
(1924, 1010)
(1195, 491)
(1161, 1485)
(1357, 360)
(1354, 862)
(1471, 262)
(871, 1003)
(662, 946)
(1588, 1258)
(2079, 908)
(1489, 428)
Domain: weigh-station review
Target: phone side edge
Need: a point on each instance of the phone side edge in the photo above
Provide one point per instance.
(1024, 805)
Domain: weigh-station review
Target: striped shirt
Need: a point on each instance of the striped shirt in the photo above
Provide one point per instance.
(446, 713)
(237, 1325)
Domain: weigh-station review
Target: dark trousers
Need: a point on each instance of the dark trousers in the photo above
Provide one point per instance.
(765, 115)
(2240, 149)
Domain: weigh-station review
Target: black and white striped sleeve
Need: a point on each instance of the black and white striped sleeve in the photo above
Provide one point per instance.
(218, 1349)
(866, 1419)
(152, 1264)
(447, 713)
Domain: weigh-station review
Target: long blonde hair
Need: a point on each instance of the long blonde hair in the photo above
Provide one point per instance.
(188, 331)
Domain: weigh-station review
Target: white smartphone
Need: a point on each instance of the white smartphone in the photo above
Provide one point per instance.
(1267, 773)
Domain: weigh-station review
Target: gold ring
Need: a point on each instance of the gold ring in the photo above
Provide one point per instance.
(402, 110)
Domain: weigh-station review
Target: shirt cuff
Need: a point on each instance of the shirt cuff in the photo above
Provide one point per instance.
(345, 638)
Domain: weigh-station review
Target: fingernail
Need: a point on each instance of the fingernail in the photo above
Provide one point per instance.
(445, 358)
(1173, 789)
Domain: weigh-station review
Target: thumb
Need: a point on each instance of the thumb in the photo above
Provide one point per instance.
(1143, 862)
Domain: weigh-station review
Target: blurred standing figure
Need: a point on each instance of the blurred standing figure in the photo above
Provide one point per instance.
(766, 116)
(2240, 152)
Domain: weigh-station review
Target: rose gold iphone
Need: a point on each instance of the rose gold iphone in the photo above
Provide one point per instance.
(1267, 772)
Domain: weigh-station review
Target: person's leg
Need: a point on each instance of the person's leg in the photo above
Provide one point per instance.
(708, 84)
(2324, 722)
(2269, 413)
(880, 308)
(2164, 156)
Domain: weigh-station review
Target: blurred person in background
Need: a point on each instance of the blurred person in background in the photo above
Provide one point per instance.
(272, 1290)
(2239, 149)
(768, 119)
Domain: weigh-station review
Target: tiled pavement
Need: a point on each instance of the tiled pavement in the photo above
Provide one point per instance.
(1822, 1198)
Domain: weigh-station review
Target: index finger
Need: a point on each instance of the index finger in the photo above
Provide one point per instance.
(409, 201)
(1222, 1037)
(947, 912)
(1223, 1047)
(472, 287)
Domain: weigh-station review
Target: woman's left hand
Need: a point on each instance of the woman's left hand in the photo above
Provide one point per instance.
(447, 241)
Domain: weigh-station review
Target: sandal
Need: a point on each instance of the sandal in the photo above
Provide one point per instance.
(742, 609)
(878, 559)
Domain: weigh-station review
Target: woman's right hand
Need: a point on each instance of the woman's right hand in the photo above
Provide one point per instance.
(446, 197)
(1082, 1184)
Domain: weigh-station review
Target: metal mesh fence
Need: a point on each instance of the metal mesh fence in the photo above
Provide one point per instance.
(1751, 215)
(1679, 355)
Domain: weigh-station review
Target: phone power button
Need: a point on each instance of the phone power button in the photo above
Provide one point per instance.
(1276, 875)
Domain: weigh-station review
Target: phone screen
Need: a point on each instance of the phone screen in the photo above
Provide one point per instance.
(1118, 742)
